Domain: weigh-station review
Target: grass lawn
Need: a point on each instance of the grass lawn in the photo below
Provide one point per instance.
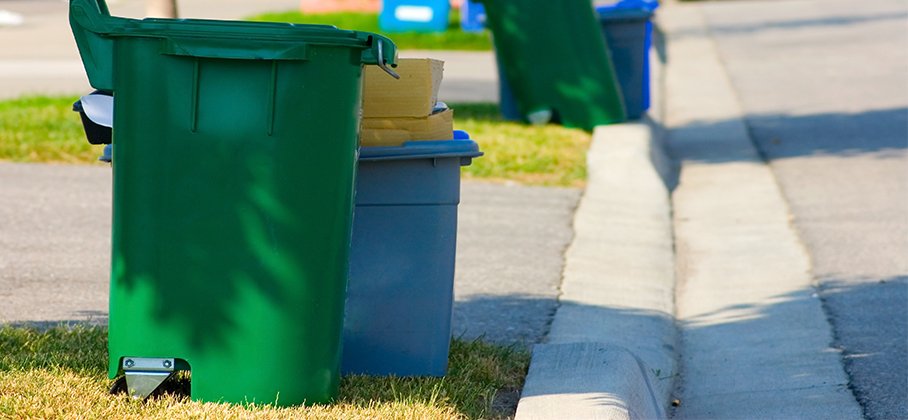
(549, 155)
(452, 39)
(61, 372)
(42, 129)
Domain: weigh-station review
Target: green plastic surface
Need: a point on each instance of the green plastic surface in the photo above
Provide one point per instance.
(96, 31)
(233, 181)
(555, 58)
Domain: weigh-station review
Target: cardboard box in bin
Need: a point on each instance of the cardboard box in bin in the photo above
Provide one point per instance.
(414, 95)
(395, 131)
(396, 111)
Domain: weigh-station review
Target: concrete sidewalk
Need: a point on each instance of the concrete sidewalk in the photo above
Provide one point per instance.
(40, 56)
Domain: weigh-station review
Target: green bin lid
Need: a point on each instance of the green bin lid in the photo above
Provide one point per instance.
(95, 30)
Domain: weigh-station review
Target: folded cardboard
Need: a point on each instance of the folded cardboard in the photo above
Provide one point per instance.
(395, 131)
(413, 95)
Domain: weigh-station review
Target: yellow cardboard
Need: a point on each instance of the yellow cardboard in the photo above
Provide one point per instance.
(414, 95)
(395, 131)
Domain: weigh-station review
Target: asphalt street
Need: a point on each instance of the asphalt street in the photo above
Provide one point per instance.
(40, 56)
(823, 86)
(511, 243)
(55, 251)
(54, 242)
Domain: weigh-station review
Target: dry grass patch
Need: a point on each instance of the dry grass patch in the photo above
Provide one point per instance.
(43, 130)
(549, 155)
(60, 373)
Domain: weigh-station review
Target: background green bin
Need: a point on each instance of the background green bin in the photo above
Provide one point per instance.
(234, 166)
(555, 60)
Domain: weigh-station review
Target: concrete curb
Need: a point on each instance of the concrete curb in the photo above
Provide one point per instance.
(588, 380)
(611, 351)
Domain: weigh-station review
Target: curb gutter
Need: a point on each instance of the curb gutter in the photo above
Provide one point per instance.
(610, 353)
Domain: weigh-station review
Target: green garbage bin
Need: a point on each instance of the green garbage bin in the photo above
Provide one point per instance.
(555, 60)
(233, 179)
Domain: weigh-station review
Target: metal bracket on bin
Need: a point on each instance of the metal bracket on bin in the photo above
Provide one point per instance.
(382, 64)
(144, 374)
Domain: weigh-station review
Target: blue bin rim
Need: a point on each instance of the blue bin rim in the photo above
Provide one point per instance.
(627, 10)
(611, 14)
(461, 146)
(650, 5)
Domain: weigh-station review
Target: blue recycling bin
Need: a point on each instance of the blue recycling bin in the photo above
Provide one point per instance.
(472, 16)
(400, 291)
(414, 15)
(627, 27)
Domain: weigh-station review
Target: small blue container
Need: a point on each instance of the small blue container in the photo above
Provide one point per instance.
(506, 103)
(414, 15)
(472, 16)
(628, 30)
(401, 287)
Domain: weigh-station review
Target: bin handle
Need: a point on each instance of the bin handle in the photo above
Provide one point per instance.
(93, 15)
(102, 7)
(91, 22)
(381, 61)
(98, 6)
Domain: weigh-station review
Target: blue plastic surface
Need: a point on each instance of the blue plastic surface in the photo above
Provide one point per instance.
(461, 147)
(649, 5)
(630, 12)
(506, 102)
(626, 31)
(400, 290)
(648, 42)
(414, 15)
(472, 16)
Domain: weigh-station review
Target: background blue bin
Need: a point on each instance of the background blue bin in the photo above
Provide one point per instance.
(414, 15)
(627, 28)
(401, 287)
(472, 16)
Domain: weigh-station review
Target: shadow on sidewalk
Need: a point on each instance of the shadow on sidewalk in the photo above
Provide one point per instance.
(524, 320)
(880, 134)
(749, 332)
(718, 28)
(801, 24)
(521, 320)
